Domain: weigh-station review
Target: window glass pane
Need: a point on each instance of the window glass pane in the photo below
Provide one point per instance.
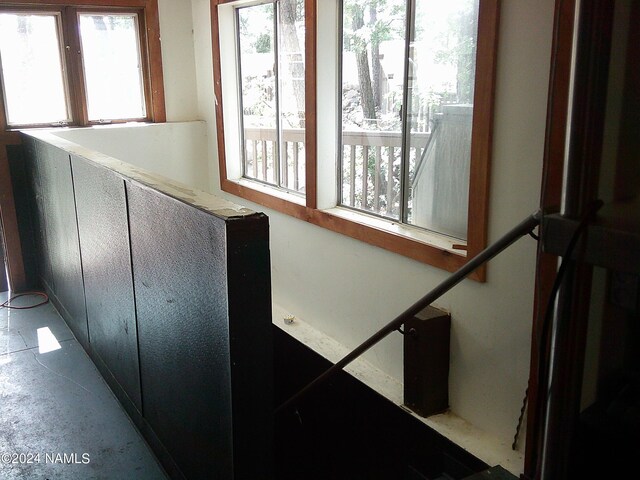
(372, 83)
(256, 42)
(440, 110)
(112, 66)
(32, 70)
(292, 95)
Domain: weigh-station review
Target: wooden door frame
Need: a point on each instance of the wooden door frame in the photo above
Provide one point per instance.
(14, 263)
(575, 119)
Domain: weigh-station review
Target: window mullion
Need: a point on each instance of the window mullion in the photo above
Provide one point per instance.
(339, 126)
(243, 142)
(406, 114)
(276, 67)
(310, 112)
(75, 75)
(146, 66)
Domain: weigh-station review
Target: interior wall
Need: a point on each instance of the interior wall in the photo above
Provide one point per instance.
(348, 289)
(176, 150)
(178, 62)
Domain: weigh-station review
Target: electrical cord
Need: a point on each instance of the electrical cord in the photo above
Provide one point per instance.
(523, 409)
(584, 222)
(525, 400)
(7, 304)
(542, 340)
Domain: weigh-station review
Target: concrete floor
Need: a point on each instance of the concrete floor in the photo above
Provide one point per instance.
(58, 418)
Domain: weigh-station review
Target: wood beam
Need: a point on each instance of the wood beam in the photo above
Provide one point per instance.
(10, 232)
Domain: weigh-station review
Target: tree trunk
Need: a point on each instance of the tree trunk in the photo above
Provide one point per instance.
(375, 58)
(292, 55)
(364, 76)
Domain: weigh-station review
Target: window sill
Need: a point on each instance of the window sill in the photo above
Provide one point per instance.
(426, 247)
(452, 245)
(270, 190)
(52, 126)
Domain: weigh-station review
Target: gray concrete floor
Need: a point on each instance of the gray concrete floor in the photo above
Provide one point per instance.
(58, 418)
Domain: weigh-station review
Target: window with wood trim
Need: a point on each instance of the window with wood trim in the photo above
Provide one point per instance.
(270, 52)
(394, 141)
(79, 63)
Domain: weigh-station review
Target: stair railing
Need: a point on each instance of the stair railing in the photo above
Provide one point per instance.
(523, 228)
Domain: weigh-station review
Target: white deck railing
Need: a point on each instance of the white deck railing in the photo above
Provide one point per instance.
(372, 185)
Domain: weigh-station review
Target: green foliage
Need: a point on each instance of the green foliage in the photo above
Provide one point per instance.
(372, 22)
(263, 43)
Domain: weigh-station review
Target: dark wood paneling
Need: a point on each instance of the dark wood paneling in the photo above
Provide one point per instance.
(249, 287)
(57, 230)
(202, 305)
(22, 202)
(347, 431)
(179, 265)
(178, 302)
(106, 262)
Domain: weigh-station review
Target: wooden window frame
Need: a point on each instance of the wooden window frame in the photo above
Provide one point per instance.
(387, 238)
(150, 51)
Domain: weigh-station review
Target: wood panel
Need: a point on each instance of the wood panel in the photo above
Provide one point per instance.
(550, 197)
(103, 230)
(10, 233)
(52, 186)
(203, 309)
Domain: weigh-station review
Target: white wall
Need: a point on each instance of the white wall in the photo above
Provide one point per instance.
(178, 62)
(176, 150)
(348, 289)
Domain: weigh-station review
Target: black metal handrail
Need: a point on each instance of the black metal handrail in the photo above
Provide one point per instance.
(523, 228)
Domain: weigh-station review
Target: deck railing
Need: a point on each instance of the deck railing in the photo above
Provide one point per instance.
(372, 185)
(260, 146)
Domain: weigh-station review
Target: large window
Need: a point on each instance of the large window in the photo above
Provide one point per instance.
(83, 63)
(408, 70)
(271, 62)
(391, 142)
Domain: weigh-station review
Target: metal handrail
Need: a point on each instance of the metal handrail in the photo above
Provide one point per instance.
(523, 228)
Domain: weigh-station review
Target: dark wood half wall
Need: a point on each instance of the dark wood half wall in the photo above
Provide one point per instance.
(170, 294)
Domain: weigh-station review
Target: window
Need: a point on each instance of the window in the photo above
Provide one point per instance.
(33, 69)
(393, 138)
(83, 63)
(406, 108)
(112, 63)
(272, 92)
